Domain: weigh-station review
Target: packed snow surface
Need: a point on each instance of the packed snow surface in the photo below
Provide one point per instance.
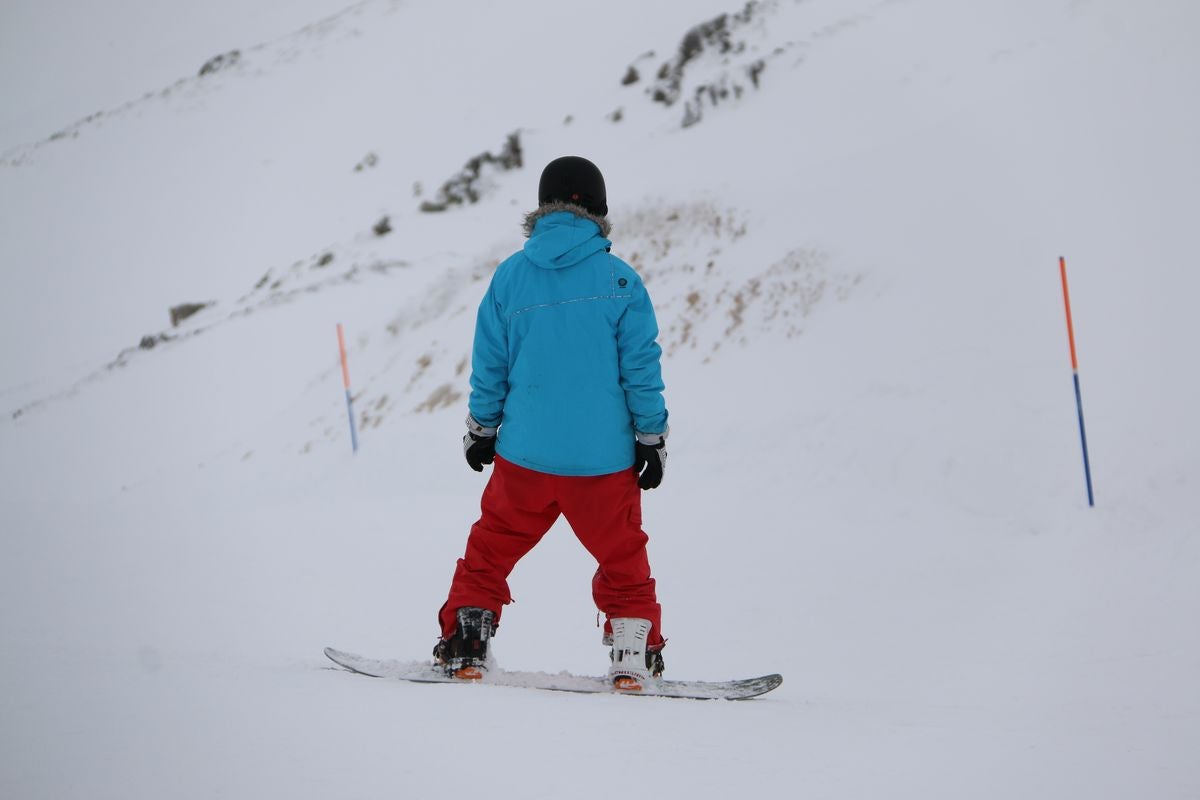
(849, 214)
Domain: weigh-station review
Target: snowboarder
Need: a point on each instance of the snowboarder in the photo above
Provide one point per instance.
(566, 401)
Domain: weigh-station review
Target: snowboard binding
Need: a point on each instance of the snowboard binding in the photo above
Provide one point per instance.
(633, 665)
(464, 655)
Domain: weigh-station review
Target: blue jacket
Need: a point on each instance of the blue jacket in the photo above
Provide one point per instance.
(565, 360)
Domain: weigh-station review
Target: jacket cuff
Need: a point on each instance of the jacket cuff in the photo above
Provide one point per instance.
(478, 429)
(653, 439)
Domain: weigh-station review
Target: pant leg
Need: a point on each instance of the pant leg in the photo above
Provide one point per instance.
(606, 514)
(518, 507)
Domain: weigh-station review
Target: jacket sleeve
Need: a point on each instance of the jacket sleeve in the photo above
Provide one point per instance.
(641, 367)
(489, 363)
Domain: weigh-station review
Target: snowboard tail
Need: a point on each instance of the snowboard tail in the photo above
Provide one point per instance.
(426, 672)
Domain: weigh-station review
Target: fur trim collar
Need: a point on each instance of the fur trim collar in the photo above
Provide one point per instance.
(533, 216)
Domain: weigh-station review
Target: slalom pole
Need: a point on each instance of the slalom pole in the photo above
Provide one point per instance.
(346, 383)
(1087, 467)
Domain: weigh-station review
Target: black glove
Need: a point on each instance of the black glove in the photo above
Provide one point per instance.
(650, 458)
(479, 444)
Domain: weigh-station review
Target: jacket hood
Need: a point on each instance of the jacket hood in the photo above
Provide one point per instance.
(549, 208)
(562, 235)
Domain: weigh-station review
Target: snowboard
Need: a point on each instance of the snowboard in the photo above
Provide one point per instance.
(427, 672)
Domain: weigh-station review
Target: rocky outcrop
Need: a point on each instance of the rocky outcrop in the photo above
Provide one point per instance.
(218, 63)
(468, 185)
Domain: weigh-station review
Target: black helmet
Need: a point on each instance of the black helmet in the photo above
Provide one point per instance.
(573, 180)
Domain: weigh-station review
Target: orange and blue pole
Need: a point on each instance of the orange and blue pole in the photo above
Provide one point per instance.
(1087, 467)
(346, 383)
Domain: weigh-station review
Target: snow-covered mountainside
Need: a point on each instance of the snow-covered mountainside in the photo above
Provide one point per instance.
(849, 214)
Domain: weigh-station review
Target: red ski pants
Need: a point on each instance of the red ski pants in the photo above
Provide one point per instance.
(519, 505)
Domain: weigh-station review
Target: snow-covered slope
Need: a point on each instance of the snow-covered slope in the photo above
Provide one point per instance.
(849, 215)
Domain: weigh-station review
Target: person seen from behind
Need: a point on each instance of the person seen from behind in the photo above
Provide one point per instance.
(567, 405)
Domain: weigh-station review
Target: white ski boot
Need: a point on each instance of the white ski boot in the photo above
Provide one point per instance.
(633, 665)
